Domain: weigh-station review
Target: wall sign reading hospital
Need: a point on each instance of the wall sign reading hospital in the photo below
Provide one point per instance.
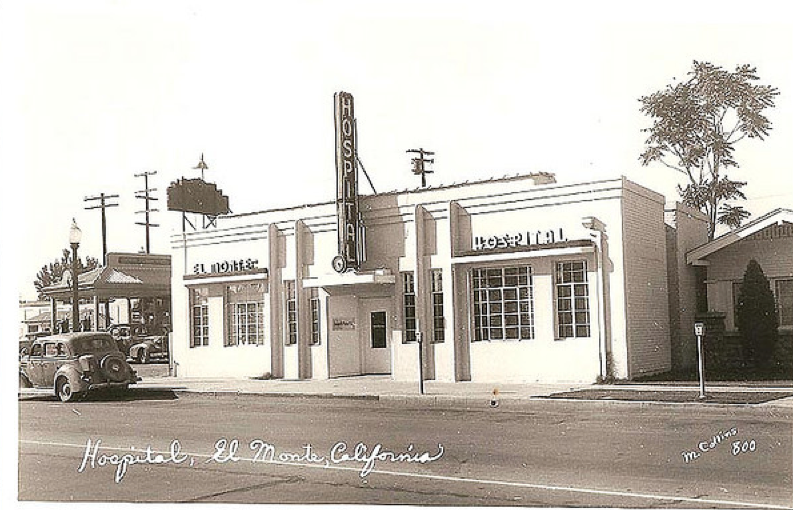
(513, 240)
(226, 266)
(346, 185)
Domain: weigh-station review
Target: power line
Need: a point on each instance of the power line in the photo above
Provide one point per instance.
(146, 195)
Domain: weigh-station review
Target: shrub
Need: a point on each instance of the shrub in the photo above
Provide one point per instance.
(756, 316)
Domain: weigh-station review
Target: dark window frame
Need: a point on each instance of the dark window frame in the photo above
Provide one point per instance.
(571, 290)
(409, 318)
(502, 303)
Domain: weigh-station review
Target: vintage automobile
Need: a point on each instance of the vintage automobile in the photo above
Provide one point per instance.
(126, 335)
(74, 364)
(153, 346)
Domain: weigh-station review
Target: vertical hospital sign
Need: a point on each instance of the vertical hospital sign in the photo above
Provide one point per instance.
(346, 185)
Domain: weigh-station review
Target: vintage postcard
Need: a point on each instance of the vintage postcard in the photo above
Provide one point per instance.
(419, 253)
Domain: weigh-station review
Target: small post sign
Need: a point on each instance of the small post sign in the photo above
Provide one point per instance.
(699, 330)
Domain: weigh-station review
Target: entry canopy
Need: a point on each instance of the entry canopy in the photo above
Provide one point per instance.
(127, 275)
(352, 282)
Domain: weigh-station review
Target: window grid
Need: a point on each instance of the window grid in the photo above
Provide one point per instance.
(409, 306)
(200, 314)
(291, 313)
(784, 299)
(246, 314)
(437, 306)
(503, 300)
(572, 299)
(315, 317)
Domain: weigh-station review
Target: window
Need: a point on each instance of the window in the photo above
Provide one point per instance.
(736, 293)
(245, 308)
(503, 301)
(200, 314)
(291, 313)
(572, 299)
(315, 318)
(409, 306)
(784, 301)
(378, 330)
(437, 306)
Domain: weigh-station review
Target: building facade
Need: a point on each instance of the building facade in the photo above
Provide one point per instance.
(769, 240)
(506, 280)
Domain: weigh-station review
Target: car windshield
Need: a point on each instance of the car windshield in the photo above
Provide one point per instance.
(93, 343)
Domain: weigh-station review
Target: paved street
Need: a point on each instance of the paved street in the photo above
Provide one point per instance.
(553, 454)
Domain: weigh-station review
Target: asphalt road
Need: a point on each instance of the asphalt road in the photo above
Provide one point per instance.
(561, 454)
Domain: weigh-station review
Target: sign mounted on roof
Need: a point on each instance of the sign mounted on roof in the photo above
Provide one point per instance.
(197, 196)
(348, 223)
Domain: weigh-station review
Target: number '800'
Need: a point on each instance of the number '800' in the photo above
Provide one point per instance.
(739, 447)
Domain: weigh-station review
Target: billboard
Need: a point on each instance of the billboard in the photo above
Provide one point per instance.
(346, 185)
(197, 196)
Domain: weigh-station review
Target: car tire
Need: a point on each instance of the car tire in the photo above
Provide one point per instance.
(114, 368)
(143, 356)
(65, 390)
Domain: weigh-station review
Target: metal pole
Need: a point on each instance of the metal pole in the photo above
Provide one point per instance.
(701, 367)
(75, 297)
(421, 363)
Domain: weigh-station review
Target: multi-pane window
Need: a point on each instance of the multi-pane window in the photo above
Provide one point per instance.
(572, 299)
(315, 318)
(291, 313)
(784, 300)
(503, 303)
(199, 305)
(245, 304)
(437, 306)
(409, 306)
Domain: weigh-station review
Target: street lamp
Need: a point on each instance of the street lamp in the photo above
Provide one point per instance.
(74, 240)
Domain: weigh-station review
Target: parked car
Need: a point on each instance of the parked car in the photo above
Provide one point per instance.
(153, 346)
(74, 364)
(126, 335)
(27, 340)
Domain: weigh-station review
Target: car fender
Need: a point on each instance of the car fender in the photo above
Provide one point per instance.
(133, 351)
(78, 384)
(24, 380)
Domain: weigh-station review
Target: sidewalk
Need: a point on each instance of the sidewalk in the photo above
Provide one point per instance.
(467, 394)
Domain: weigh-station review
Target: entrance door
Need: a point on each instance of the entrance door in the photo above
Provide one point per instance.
(376, 344)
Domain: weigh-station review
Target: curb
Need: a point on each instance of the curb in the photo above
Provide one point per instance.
(464, 402)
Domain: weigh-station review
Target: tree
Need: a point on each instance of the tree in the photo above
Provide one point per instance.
(53, 272)
(696, 125)
(756, 316)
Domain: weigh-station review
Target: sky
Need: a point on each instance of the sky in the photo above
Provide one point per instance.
(98, 91)
(94, 92)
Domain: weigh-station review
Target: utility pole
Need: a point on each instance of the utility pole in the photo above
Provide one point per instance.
(419, 164)
(146, 195)
(103, 205)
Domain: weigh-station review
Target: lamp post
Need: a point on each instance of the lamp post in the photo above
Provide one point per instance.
(74, 240)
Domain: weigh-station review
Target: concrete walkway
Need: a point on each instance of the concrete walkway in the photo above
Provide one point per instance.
(462, 393)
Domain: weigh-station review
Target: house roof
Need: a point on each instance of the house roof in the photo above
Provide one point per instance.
(775, 217)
